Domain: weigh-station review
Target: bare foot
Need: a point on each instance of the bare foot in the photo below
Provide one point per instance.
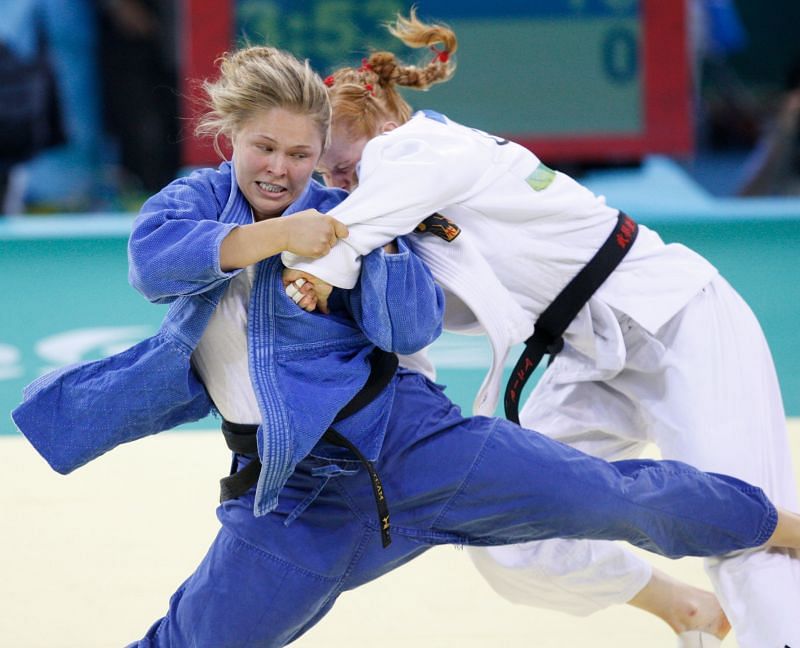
(682, 606)
(700, 610)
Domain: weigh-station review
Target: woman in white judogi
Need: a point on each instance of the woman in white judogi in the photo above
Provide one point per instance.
(664, 352)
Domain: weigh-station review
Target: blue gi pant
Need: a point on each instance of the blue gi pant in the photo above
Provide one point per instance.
(447, 479)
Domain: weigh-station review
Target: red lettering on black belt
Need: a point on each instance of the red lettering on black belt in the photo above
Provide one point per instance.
(625, 234)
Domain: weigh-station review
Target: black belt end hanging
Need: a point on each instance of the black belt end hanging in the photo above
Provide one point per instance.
(555, 319)
(332, 436)
(536, 346)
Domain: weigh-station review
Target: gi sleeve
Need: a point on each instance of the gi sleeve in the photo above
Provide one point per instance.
(174, 246)
(396, 302)
(402, 181)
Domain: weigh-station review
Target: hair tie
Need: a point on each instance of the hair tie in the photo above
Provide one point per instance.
(366, 66)
(329, 80)
(441, 56)
(368, 87)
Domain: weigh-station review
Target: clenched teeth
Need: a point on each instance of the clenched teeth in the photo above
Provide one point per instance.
(266, 186)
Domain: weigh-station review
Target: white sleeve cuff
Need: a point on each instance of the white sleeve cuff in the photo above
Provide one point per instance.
(340, 267)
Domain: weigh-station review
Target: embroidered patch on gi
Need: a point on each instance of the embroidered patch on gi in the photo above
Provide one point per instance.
(541, 178)
(440, 226)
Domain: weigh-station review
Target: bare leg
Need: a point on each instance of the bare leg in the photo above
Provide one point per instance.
(787, 531)
(682, 606)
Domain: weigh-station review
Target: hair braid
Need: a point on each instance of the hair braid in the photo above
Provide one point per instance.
(364, 97)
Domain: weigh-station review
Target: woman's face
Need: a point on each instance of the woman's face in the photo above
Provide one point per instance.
(338, 165)
(274, 154)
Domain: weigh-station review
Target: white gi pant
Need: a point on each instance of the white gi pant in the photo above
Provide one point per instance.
(704, 390)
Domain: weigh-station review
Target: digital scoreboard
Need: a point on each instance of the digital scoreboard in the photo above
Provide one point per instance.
(575, 80)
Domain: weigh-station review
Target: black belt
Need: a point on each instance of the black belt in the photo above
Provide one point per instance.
(555, 319)
(242, 440)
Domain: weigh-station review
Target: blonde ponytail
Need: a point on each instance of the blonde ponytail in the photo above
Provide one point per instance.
(363, 98)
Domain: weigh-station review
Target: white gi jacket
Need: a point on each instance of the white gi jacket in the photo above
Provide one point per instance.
(526, 231)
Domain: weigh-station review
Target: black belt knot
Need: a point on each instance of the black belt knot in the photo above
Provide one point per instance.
(242, 439)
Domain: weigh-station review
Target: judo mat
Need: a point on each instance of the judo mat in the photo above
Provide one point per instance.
(89, 560)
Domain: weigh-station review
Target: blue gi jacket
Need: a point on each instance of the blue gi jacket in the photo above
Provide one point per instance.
(304, 366)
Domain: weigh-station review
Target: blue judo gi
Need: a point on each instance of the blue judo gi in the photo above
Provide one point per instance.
(307, 531)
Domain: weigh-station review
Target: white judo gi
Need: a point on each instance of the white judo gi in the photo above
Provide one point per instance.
(664, 352)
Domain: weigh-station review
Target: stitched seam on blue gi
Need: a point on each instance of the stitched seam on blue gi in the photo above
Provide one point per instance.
(174, 334)
(769, 525)
(356, 557)
(744, 488)
(176, 596)
(302, 506)
(313, 349)
(278, 586)
(423, 535)
(462, 539)
(365, 520)
(325, 473)
(427, 536)
(343, 462)
(237, 539)
(672, 469)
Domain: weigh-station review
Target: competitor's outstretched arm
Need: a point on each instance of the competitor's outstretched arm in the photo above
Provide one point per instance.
(400, 184)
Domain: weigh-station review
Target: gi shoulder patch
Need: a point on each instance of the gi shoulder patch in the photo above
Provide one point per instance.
(541, 178)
